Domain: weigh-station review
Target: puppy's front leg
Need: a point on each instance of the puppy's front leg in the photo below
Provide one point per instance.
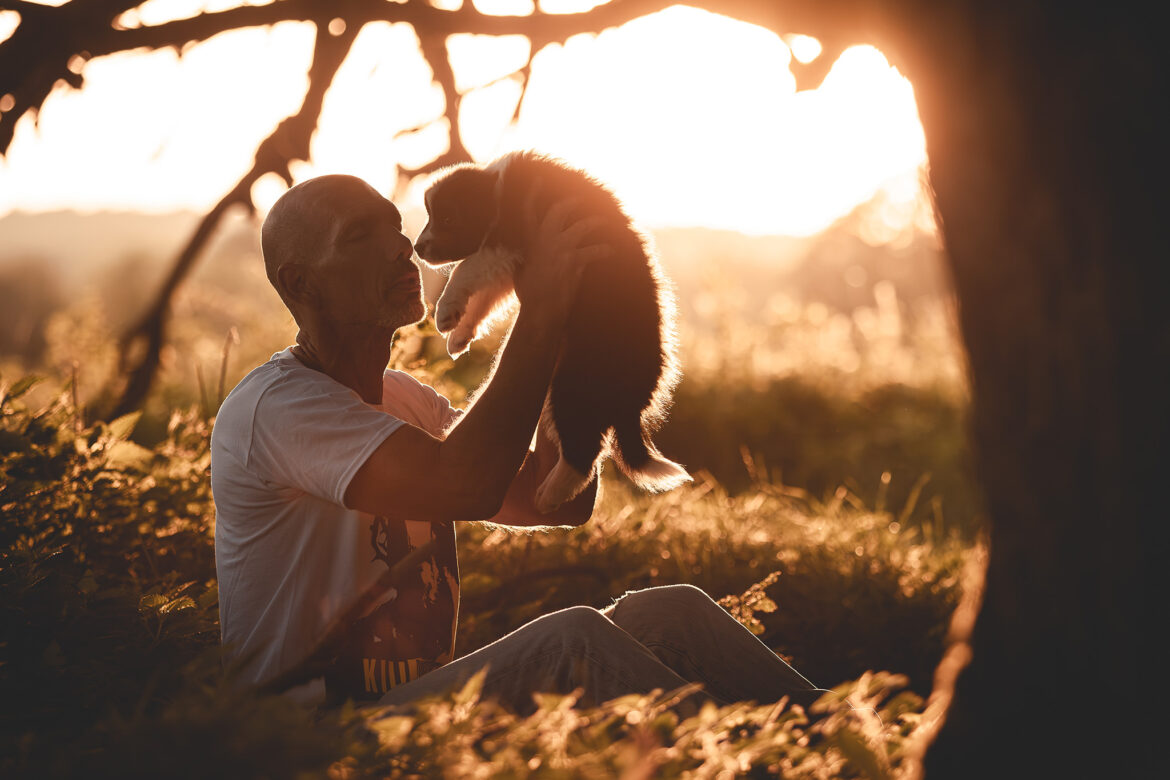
(477, 288)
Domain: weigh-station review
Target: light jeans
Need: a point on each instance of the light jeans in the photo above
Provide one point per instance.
(662, 637)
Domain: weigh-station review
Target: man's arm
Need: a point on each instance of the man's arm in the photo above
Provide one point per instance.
(519, 507)
(467, 475)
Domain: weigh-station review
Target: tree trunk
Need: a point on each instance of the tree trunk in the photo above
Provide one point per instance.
(1045, 129)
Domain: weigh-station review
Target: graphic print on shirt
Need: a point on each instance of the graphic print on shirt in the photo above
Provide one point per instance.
(413, 630)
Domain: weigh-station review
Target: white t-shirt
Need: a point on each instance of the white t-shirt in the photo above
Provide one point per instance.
(290, 556)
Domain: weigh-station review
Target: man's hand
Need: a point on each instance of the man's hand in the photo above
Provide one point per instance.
(560, 246)
(519, 507)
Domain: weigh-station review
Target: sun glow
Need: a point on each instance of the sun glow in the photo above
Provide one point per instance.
(693, 119)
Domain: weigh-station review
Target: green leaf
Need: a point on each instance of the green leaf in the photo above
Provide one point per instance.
(122, 427)
(861, 755)
(151, 601)
(183, 602)
(765, 605)
(23, 385)
(210, 596)
(125, 454)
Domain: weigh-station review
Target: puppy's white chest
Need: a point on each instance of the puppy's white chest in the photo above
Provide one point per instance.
(494, 261)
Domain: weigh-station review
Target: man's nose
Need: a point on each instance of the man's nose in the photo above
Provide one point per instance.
(405, 248)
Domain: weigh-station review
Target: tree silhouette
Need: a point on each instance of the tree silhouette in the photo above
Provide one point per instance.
(1045, 124)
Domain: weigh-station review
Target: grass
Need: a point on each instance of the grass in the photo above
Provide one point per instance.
(833, 513)
(110, 640)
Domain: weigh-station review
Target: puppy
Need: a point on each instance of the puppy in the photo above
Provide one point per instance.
(618, 367)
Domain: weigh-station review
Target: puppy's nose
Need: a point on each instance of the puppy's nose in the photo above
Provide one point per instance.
(421, 247)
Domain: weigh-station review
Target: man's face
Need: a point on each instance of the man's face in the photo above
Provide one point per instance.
(365, 273)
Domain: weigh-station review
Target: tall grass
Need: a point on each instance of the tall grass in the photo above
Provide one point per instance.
(109, 654)
(833, 513)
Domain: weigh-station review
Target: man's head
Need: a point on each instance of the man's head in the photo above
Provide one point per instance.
(334, 250)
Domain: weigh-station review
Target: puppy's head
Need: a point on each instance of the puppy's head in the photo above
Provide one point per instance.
(461, 206)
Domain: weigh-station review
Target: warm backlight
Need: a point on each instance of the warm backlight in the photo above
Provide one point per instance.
(691, 117)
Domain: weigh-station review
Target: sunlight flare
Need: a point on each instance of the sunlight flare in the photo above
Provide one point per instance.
(691, 117)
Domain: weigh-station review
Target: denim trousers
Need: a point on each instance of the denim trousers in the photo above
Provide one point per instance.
(663, 637)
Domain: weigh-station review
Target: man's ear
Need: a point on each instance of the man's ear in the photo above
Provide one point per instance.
(296, 280)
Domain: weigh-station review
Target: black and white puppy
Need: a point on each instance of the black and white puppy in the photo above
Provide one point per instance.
(618, 368)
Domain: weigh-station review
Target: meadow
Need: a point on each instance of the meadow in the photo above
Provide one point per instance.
(833, 512)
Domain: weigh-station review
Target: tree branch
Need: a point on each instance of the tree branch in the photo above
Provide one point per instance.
(37, 55)
(810, 75)
(40, 51)
(434, 51)
(289, 141)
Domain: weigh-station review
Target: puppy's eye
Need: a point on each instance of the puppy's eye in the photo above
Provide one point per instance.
(447, 220)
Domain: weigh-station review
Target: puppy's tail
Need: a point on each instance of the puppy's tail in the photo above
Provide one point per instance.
(641, 461)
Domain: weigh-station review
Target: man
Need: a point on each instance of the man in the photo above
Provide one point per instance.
(327, 469)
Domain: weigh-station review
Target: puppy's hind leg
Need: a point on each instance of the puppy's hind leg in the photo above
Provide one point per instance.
(582, 429)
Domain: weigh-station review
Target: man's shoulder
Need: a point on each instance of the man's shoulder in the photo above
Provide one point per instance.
(234, 420)
(243, 396)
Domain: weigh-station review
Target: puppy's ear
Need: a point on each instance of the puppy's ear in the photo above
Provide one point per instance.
(485, 184)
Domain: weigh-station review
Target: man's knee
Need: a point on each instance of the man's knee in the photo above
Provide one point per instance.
(666, 598)
(572, 623)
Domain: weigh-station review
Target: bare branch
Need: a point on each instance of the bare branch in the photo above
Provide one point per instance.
(525, 74)
(289, 141)
(434, 51)
(38, 53)
(41, 50)
(810, 75)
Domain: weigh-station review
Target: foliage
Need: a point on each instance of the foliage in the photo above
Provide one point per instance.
(861, 729)
(109, 660)
(856, 589)
(107, 585)
(108, 614)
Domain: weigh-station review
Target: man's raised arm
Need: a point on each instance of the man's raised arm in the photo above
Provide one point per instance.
(468, 475)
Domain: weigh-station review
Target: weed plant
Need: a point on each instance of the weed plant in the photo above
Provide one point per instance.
(109, 660)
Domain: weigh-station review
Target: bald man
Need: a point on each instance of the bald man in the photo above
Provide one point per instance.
(327, 469)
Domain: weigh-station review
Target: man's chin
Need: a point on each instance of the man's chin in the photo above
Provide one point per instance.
(412, 313)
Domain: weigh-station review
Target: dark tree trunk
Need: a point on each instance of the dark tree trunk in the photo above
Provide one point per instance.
(1046, 127)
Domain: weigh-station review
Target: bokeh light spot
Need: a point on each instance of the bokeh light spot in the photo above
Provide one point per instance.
(805, 48)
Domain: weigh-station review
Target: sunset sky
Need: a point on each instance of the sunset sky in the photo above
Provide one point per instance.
(691, 117)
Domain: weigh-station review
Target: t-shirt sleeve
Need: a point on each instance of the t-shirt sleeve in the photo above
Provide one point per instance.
(418, 403)
(314, 437)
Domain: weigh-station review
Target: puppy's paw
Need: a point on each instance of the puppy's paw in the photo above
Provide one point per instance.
(562, 484)
(458, 342)
(447, 318)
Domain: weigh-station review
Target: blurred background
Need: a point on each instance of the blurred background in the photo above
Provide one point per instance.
(823, 401)
(815, 317)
